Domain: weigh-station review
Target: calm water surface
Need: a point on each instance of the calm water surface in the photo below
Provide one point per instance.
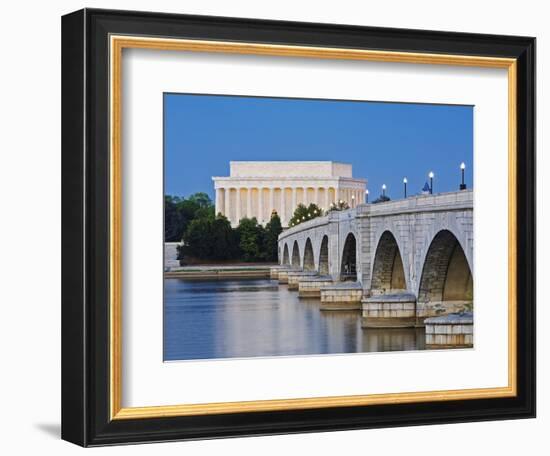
(245, 318)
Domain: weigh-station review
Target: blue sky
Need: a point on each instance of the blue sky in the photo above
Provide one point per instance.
(383, 141)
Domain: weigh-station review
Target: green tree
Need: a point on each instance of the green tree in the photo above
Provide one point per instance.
(205, 212)
(172, 220)
(251, 237)
(303, 213)
(201, 198)
(197, 239)
(340, 206)
(210, 238)
(381, 199)
(179, 212)
(272, 230)
(225, 240)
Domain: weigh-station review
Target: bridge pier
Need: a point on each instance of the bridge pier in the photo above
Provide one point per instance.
(429, 309)
(274, 271)
(294, 278)
(341, 296)
(310, 287)
(450, 331)
(389, 311)
(282, 274)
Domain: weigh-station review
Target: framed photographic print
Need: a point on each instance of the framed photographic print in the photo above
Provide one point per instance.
(278, 227)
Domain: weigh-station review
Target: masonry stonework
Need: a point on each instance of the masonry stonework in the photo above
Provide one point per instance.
(255, 189)
(421, 245)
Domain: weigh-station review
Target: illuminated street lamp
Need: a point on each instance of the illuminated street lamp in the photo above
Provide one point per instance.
(367, 195)
(462, 168)
(431, 176)
(383, 189)
(352, 200)
(405, 186)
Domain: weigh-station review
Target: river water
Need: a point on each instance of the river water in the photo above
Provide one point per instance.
(206, 319)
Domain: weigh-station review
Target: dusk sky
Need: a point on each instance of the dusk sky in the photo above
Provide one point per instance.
(383, 141)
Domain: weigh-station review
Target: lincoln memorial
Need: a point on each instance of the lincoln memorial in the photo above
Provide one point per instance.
(256, 188)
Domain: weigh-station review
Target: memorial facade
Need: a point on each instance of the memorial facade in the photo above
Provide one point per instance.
(256, 188)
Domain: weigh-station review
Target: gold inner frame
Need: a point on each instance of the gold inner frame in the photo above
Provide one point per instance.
(117, 44)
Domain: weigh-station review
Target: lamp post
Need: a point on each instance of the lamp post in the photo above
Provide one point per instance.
(383, 189)
(367, 195)
(431, 176)
(462, 168)
(405, 186)
(352, 201)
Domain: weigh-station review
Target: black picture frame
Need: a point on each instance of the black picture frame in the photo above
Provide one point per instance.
(85, 225)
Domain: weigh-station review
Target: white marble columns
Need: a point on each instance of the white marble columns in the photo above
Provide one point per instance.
(238, 202)
(257, 188)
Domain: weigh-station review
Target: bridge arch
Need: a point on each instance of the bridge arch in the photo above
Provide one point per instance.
(388, 273)
(309, 261)
(295, 255)
(348, 269)
(446, 274)
(443, 223)
(286, 258)
(323, 256)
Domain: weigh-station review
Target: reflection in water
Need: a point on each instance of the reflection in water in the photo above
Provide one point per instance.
(245, 318)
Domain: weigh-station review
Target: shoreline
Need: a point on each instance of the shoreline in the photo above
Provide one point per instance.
(221, 272)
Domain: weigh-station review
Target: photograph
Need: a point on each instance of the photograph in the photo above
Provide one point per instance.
(296, 226)
(268, 226)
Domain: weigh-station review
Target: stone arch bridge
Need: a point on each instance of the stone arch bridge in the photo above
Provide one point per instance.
(411, 258)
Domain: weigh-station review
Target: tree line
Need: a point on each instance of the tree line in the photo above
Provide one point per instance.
(207, 236)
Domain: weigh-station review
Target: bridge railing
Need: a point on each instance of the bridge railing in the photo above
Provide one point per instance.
(332, 216)
(318, 221)
(458, 200)
(462, 199)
